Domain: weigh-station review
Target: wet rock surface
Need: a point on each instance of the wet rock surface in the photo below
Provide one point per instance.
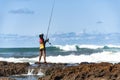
(63, 71)
(10, 68)
(83, 71)
(6, 78)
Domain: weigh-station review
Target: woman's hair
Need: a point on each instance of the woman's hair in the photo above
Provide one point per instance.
(41, 35)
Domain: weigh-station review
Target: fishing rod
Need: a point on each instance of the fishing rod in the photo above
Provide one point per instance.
(50, 19)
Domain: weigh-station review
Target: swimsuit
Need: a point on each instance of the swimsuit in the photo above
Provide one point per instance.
(42, 44)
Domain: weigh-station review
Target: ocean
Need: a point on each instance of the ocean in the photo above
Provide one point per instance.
(63, 54)
(73, 48)
(60, 54)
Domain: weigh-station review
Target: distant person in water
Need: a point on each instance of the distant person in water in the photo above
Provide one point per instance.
(42, 47)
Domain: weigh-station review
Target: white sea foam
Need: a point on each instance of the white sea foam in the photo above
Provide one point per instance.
(91, 46)
(116, 46)
(30, 71)
(20, 60)
(67, 47)
(73, 47)
(95, 57)
(40, 73)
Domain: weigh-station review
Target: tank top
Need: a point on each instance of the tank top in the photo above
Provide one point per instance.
(42, 44)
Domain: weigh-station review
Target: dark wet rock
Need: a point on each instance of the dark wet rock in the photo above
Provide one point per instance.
(6, 78)
(48, 68)
(83, 71)
(64, 71)
(10, 68)
(2, 63)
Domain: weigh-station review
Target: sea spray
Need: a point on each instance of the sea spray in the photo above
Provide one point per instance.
(40, 72)
(30, 71)
(33, 74)
(34, 70)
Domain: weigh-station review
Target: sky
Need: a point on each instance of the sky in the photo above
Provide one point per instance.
(31, 17)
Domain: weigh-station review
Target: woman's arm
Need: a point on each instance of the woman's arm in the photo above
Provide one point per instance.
(47, 40)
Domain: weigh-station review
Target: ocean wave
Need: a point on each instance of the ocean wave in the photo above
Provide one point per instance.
(20, 60)
(72, 47)
(58, 50)
(95, 57)
(67, 47)
(77, 47)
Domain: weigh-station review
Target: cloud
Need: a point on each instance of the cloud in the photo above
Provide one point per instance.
(22, 11)
(99, 22)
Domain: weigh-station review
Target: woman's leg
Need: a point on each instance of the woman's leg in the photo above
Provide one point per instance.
(40, 55)
(44, 55)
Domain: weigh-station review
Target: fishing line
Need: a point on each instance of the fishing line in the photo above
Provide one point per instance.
(50, 19)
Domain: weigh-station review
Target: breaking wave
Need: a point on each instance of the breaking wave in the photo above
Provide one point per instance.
(63, 54)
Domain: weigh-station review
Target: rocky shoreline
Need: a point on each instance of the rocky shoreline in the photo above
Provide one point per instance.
(83, 71)
(63, 71)
(10, 68)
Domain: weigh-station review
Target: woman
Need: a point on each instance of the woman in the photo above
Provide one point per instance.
(42, 47)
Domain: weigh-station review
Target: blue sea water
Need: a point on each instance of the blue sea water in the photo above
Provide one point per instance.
(61, 54)
(82, 53)
(72, 48)
(25, 77)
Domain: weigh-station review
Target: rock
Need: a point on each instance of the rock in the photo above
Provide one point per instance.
(48, 68)
(2, 63)
(9, 68)
(6, 78)
(83, 71)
